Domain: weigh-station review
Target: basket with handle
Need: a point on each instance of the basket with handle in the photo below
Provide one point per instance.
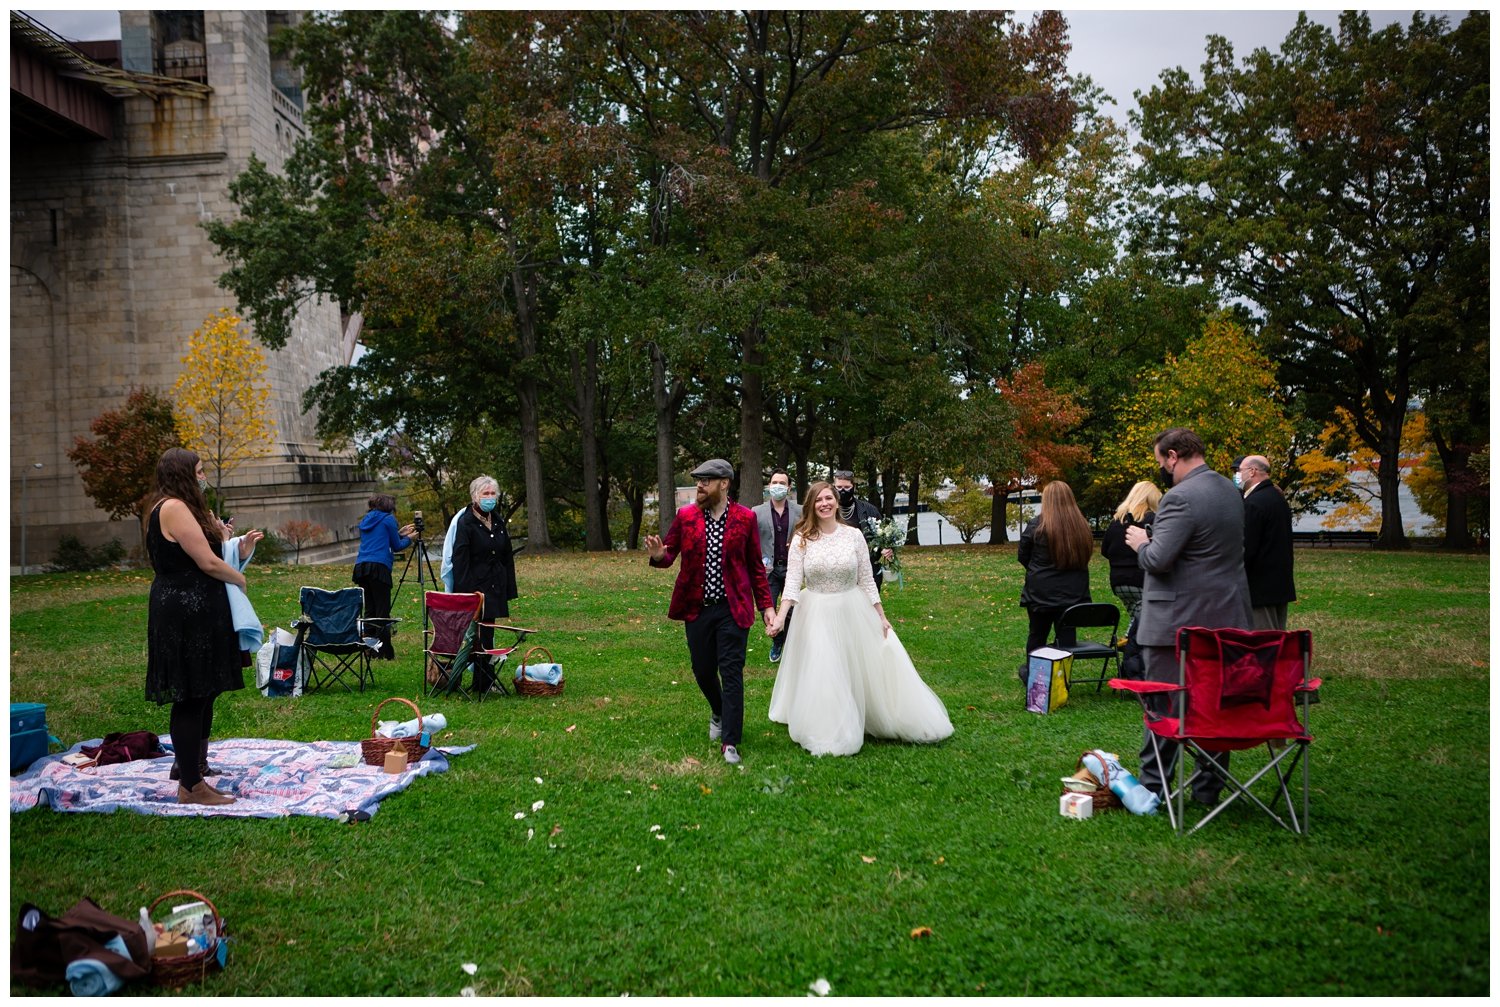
(179, 970)
(528, 687)
(1104, 798)
(375, 748)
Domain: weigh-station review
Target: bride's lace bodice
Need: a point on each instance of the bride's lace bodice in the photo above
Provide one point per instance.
(830, 564)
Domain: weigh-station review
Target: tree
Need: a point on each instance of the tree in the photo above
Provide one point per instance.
(1343, 470)
(1222, 388)
(1045, 421)
(966, 507)
(1341, 187)
(221, 398)
(118, 466)
(299, 532)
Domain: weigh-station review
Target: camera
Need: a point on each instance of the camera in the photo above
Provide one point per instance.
(418, 522)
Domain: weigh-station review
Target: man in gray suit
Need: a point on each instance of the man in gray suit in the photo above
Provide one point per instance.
(1194, 560)
(777, 518)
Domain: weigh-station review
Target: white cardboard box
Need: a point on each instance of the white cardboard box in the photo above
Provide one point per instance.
(1075, 806)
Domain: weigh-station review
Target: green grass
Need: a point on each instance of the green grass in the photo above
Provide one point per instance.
(761, 884)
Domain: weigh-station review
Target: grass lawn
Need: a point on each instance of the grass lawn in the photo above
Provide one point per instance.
(790, 868)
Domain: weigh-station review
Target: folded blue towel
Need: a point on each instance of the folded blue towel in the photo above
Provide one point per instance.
(548, 673)
(89, 977)
(246, 622)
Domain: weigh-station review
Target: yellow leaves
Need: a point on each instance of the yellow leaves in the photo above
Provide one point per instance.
(221, 396)
(920, 932)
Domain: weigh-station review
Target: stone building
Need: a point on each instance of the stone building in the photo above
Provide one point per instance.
(119, 152)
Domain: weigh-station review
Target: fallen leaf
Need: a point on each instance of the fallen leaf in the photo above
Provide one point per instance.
(654, 828)
(470, 967)
(662, 837)
(530, 834)
(690, 761)
(868, 860)
(820, 986)
(921, 932)
(520, 815)
(706, 790)
(555, 830)
(940, 860)
(538, 779)
(538, 806)
(467, 991)
(571, 726)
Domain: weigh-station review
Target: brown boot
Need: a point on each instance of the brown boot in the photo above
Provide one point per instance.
(202, 794)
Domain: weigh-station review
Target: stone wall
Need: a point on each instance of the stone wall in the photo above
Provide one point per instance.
(111, 273)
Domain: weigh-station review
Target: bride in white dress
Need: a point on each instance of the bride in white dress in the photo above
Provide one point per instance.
(844, 673)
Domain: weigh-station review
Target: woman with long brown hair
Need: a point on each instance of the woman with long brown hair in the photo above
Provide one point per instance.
(1055, 549)
(193, 653)
(844, 674)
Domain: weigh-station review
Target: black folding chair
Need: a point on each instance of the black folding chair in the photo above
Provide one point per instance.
(333, 633)
(1097, 616)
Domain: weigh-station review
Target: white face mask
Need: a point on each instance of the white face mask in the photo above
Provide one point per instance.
(778, 492)
(1238, 482)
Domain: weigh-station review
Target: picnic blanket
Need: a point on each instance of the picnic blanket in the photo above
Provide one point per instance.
(269, 779)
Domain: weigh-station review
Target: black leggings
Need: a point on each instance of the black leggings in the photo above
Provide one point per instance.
(190, 722)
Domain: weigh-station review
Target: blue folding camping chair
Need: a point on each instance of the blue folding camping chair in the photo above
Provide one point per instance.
(336, 637)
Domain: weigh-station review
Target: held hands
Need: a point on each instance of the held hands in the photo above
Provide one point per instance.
(773, 621)
(1135, 537)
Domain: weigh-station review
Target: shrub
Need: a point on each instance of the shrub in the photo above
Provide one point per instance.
(73, 556)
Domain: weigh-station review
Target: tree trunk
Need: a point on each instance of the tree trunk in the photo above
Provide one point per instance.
(1392, 534)
(912, 495)
(1455, 458)
(752, 409)
(888, 491)
(998, 498)
(636, 498)
(585, 368)
(537, 538)
(666, 414)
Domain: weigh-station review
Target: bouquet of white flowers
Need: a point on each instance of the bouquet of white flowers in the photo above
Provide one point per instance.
(887, 534)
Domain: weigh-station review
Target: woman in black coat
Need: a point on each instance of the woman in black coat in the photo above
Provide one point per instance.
(1055, 549)
(1126, 578)
(483, 562)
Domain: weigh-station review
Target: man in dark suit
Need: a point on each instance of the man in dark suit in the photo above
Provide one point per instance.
(1268, 545)
(775, 520)
(858, 512)
(719, 588)
(1194, 560)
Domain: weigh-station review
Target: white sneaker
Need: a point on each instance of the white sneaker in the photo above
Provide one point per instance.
(731, 755)
(715, 729)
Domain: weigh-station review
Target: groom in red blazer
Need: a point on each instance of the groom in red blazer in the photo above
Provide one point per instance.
(719, 588)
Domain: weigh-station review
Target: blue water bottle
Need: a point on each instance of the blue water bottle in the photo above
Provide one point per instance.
(1137, 798)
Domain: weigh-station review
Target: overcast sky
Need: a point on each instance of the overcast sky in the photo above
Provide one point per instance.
(1124, 51)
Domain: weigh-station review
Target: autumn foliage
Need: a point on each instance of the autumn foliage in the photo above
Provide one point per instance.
(300, 532)
(1221, 387)
(118, 465)
(221, 398)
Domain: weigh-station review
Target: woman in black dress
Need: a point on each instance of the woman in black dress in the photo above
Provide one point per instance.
(193, 653)
(483, 562)
(1055, 548)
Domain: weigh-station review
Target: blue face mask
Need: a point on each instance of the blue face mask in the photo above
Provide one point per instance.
(1238, 482)
(487, 504)
(777, 491)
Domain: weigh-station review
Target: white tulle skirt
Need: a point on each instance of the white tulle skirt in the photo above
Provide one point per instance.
(840, 680)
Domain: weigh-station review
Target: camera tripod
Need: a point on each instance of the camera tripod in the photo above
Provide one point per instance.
(423, 561)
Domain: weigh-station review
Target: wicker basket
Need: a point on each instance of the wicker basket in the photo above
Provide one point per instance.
(375, 747)
(1104, 798)
(527, 687)
(183, 969)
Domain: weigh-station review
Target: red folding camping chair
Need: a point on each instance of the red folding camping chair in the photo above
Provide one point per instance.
(1236, 689)
(451, 643)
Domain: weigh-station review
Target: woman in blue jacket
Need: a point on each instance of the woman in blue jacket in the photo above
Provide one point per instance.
(379, 541)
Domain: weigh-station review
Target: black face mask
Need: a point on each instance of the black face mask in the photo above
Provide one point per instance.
(1166, 477)
(846, 496)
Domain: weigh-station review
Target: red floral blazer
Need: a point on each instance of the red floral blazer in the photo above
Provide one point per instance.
(744, 575)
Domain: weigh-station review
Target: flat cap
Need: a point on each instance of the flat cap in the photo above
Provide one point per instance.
(714, 468)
